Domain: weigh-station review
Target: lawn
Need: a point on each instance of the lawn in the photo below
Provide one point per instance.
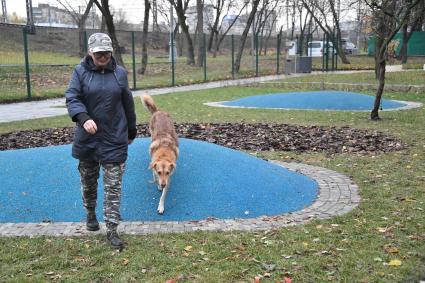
(380, 241)
(50, 71)
(402, 78)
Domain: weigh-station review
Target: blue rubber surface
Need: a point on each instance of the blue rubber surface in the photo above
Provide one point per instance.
(317, 100)
(42, 184)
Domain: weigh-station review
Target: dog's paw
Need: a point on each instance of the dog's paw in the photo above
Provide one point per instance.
(160, 209)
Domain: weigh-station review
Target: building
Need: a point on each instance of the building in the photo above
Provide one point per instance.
(240, 24)
(46, 15)
(192, 18)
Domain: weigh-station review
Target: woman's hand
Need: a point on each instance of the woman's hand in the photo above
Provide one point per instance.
(90, 127)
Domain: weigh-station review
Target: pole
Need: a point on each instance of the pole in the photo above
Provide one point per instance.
(327, 53)
(173, 79)
(85, 41)
(278, 52)
(256, 55)
(205, 56)
(133, 53)
(27, 67)
(253, 37)
(173, 82)
(323, 52)
(233, 56)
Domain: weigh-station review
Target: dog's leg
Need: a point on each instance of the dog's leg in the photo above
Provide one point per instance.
(162, 200)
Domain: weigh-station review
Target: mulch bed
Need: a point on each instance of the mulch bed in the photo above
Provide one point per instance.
(240, 136)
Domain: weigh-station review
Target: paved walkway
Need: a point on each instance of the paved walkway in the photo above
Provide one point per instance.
(337, 195)
(55, 107)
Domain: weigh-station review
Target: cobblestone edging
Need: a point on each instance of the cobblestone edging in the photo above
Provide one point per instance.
(337, 195)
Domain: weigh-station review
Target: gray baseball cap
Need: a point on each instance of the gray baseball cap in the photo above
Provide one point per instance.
(100, 42)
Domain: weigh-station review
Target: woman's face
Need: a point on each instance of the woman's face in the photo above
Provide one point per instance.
(101, 59)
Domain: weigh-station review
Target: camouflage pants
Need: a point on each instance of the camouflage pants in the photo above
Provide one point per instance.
(112, 183)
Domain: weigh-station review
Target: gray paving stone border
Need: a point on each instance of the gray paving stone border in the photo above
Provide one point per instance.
(337, 195)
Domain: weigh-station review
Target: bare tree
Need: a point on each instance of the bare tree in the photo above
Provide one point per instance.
(245, 34)
(120, 20)
(80, 20)
(145, 38)
(109, 21)
(218, 33)
(321, 11)
(388, 17)
(180, 11)
(415, 22)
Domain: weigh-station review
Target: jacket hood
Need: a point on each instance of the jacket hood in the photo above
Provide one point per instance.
(88, 64)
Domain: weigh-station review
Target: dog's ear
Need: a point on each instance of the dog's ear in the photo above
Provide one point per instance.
(152, 164)
(173, 166)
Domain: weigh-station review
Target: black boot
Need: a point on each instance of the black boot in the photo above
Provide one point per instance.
(114, 239)
(92, 224)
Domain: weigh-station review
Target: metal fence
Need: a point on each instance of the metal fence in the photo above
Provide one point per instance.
(40, 65)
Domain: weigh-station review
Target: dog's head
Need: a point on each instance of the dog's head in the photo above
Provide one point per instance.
(163, 169)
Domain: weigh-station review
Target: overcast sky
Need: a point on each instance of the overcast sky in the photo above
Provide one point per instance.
(132, 8)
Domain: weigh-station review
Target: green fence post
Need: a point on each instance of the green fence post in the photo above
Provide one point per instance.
(311, 47)
(85, 42)
(336, 54)
(323, 52)
(233, 56)
(133, 53)
(278, 52)
(173, 79)
(333, 51)
(27, 65)
(205, 56)
(327, 53)
(256, 55)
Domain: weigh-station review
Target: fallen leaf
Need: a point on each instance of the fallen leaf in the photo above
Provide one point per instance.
(287, 279)
(188, 248)
(394, 262)
(125, 261)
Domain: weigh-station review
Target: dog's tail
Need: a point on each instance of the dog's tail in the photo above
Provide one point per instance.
(149, 104)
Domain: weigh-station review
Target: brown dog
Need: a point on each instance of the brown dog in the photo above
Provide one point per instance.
(163, 150)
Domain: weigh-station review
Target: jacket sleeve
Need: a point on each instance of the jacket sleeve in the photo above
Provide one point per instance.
(73, 95)
(128, 103)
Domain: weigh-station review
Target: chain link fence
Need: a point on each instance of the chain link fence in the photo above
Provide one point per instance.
(53, 53)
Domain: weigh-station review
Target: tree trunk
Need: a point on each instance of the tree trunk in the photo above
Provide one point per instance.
(109, 21)
(374, 115)
(244, 35)
(178, 6)
(403, 49)
(81, 40)
(200, 37)
(145, 38)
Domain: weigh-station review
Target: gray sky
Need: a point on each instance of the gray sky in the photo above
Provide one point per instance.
(132, 8)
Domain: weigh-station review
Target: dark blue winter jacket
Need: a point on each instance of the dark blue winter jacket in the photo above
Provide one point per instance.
(103, 96)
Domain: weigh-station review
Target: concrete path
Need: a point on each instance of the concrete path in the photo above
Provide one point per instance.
(55, 107)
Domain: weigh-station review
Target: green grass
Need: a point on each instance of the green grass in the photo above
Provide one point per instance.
(48, 82)
(402, 78)
(388, 224)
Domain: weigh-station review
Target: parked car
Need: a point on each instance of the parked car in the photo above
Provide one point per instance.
(349, 48)
(315, 48)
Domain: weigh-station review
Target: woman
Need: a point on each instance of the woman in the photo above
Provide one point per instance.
(99, 101)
